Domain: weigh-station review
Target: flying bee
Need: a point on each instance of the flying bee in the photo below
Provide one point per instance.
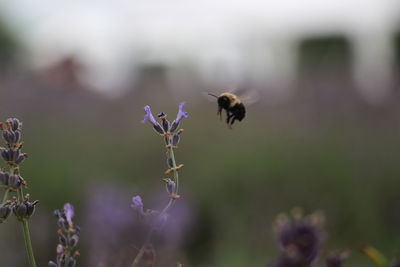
(233, 106)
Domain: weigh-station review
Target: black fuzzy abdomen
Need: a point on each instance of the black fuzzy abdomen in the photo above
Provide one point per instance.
(239, 111)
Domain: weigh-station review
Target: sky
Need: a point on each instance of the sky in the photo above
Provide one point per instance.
(108, 34)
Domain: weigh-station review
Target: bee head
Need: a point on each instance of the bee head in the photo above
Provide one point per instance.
(224, 102)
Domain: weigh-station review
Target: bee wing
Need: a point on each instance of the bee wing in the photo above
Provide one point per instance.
(249, 97)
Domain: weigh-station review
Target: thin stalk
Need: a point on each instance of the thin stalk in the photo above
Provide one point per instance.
(28, 243)
(176, 176)
(139, 256)
(27, 236)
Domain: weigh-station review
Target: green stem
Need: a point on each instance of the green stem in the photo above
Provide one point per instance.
(27, 236)
(28, 243)
(139, 256)
(5, 197)
(176, 176)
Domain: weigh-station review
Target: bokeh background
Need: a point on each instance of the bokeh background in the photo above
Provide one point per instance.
(323, 135)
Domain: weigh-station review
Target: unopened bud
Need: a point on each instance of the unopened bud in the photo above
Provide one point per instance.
(4, 177)
(5, 211)
(175, 139)
(20, 158)
(14, 181)
(158, 128)
(174, 126)
(24, 210)
(73, 241)
(169, 162)
(63, 240)
(14, 124)
(169, 185)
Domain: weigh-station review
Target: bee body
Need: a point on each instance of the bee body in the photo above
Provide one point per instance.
(233, 106)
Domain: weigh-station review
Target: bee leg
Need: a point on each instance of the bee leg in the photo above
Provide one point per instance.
(229, 116)
(219, 112)
(233, 120)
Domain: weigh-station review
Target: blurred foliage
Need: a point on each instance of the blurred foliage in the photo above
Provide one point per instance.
(316, 52)
(236, 181)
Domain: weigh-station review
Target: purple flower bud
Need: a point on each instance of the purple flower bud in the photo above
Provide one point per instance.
(4, 177)
(52, 264)
(24, 210)
(30, 208)
(71, 262)
(57, 213)
(8, 136)
(150, 118)
(169, 162)
(5, 153)
(175, 139)
(300, 240)
(20, 158)
(63, 240)
(17, 136)
(59, 249)
(14, 123)
(73, 241)
(20, 211)
(14, 181)
(165, 122)
(5, 211)
(69, 212)
(15, 154)
(63, 224)
(170, 186)
(137, 203)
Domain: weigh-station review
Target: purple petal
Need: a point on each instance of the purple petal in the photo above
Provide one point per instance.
(137, 202)
(69, 212)
(149, 116)
(181, 113)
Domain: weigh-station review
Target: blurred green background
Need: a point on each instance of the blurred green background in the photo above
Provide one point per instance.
(324, 145)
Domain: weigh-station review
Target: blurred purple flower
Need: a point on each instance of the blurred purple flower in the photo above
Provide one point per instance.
(112, 226)
(137, 203)
(300, 240)
(69, 212)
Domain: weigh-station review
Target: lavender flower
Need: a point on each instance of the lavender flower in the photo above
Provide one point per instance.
(69, 212)
(150, 118)
(158, 219)
(181, 114)
(13, 182)
(137, 203)
(299, 240)
(68, 236)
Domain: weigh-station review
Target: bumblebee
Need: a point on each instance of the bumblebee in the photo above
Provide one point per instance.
(233, 106)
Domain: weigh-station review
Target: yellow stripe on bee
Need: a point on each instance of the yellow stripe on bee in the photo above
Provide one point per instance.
(234, 100)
